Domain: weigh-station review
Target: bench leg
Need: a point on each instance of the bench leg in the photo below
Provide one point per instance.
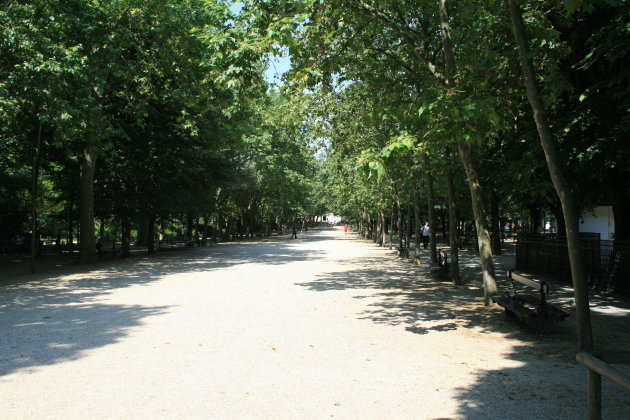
(594, 395)
(543, 321)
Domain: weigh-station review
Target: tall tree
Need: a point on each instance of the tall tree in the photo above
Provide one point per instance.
(561, 184)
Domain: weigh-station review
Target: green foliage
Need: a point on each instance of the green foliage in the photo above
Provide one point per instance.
(185, 125)
(173, 92)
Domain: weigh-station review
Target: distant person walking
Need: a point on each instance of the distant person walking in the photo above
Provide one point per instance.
(425, 234)
(294, 234)
(345, 228)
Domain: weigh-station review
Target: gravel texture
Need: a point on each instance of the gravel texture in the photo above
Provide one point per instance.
(325, 326)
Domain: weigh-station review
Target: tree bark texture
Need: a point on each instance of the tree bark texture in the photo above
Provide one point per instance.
(430, 206)
(408, 227)
(465, 153)
(391, 228)
(70, 243)
(417, 225)
(143, 226)
(34, 182)
(399, 224)
(452, 227)
(483, 236)
(383, 228)
(87, 244)
(560, 183)
(496, 221)
(621, 210)
(125, 224)
(151, 234)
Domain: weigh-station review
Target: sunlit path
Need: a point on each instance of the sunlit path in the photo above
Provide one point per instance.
(323, 326)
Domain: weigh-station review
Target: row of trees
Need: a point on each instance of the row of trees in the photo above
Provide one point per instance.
(144, 115)
(422, 95)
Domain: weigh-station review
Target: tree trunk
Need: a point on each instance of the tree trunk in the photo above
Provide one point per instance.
(34, 182)
(399, 223)
(196, 229)
(621, 207)
(151, 234)
(216, 228)
(621, 210)
(430, 207)
(496, 221)
(143, 227)
(465, 153)
(483, 236)
(70, 243)
(417, 225)
(452, 226)
(534, 218)
(227, 231)
(204, 237)
(560, 183)
(87, 243)
(408, 227)
(383, 228)
(189, 227)
(391, 225)
(125, 224)
(557, 212)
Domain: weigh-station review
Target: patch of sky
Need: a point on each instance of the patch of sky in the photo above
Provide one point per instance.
(235, 6)
(277, 66)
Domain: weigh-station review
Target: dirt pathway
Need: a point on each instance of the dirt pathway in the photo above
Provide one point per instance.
(323, 326)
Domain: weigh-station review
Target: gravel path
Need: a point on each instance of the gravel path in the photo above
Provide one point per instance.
(325, 326)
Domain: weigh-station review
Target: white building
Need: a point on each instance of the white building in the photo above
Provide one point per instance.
(600, 220)
(331, 218)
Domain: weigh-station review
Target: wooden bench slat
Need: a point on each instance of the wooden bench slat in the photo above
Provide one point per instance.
(514, 306)
(538, 311)
(552, 311)
(533, 283)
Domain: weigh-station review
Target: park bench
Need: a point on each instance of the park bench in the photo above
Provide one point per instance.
(532, 309)
(167, 244)
(442, 258)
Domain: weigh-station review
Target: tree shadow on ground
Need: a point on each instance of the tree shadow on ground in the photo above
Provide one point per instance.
(410, 296)
(62, 331)
(269, 250)
(547, 381)
(50, 318)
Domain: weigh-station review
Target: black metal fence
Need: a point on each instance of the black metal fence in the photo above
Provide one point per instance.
(607, 263)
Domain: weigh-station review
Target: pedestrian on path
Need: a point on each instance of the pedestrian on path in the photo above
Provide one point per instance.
(294, 234)
(425, 234)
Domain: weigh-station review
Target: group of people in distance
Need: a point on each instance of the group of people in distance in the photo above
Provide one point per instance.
(424, 233)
